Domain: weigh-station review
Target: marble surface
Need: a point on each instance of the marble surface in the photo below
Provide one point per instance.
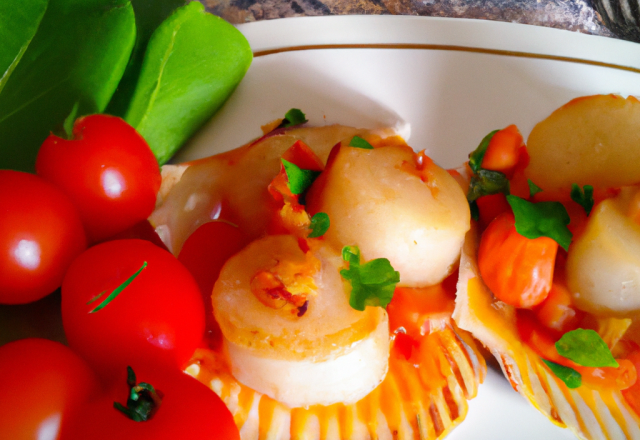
(574, 15)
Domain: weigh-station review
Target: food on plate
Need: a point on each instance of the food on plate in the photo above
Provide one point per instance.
(40, 235)
(548, 274)
(319, 335)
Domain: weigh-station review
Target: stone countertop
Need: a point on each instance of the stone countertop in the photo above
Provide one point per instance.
(574, 15)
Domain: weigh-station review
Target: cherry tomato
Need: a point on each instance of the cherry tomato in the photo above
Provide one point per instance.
(158, 317)
(40, 235)
(107, 170)
(188, 410)
(42, 385)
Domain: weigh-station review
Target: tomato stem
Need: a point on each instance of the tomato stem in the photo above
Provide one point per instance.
(143, 401)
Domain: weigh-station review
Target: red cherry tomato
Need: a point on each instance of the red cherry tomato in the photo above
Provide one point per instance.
(42, 385)
(107, 170)
(158, 317)
(188, 410)
(40, 235)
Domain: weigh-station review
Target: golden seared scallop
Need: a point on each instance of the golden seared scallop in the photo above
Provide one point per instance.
(603, 265)
(590, 140)
(396, 204)
(289, 330)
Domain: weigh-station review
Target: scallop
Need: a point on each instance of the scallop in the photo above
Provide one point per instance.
(390, 206)
(330, 353)
(603, 266)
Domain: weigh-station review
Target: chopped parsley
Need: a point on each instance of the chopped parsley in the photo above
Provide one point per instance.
(487, 182)
(475, 158)
(544, 219)
(533, 188)
(583, 197)
(299, 180)
(293, 117)
(585, 347)
(569, 376)
(372, 283)
(358, 142)
(116, 291)
(319, 224)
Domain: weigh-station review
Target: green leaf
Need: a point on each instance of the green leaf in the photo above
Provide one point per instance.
(319, 224)
(149, 15)
(485, 183)
(299, 179)
(293, 117)
(19, 22)
(193, 62)
(583, 197)
(475, 158)
(77, 55)
(571, 378)
(533, 188)
(116, 291)
(475, 211)
(544, 219)
(358, 142)
(585, 347)
(372, 283)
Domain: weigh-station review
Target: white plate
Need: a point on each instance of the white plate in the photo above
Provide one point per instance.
(450, 82)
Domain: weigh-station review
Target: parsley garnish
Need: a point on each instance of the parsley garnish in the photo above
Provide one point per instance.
(544, 219)
(319, 224)
(585, 347)
(358, 142)
(583, 197)
(372, 283)
(116, 291)
(569, 376)
(293, 117)
(298, 179)
(475, 158)
(533, 188)
(487, 182)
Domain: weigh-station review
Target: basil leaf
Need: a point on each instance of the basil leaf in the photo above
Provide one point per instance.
(149, 14)
(475, 158)
(533, 188)
(193, 62)
(544, 219)
(77, 55)
(372, 283)
(116, 291)
(583, 197)
(485, 183)
(358, 142)
(585, 347)
(293, 117)
(298, 179)
(571, 378)
(319, 224)
(19, 22)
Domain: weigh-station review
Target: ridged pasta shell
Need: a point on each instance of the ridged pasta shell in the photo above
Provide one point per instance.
(404, 406)
(588, 413)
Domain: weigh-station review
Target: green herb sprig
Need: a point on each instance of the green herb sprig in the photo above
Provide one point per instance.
(372, 283)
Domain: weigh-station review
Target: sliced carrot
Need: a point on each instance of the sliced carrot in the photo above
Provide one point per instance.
(557, 311)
